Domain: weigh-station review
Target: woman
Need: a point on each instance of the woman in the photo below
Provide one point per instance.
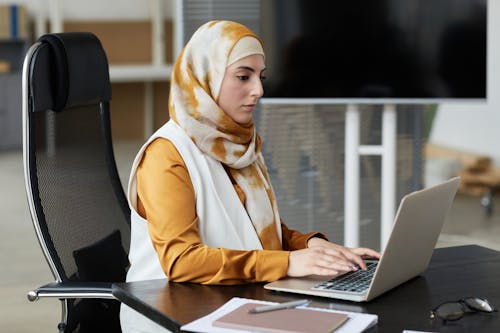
(203, 209)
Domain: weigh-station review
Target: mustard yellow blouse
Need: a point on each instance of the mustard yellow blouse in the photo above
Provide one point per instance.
(166, 200)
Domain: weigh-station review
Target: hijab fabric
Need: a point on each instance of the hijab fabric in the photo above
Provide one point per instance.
(196, 80)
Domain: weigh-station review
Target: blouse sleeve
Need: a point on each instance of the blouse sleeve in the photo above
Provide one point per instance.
(294, 240)
(166, 200)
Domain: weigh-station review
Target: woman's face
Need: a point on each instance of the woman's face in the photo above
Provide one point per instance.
(241, 88)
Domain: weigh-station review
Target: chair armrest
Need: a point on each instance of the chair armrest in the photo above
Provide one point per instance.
(67, 290)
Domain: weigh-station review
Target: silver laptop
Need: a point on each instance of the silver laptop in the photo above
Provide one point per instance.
(417, 226)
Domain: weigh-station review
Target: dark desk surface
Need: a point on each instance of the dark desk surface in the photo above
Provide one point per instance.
(453, 273)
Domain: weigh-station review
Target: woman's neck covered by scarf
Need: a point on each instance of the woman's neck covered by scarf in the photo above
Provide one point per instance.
(196, 80)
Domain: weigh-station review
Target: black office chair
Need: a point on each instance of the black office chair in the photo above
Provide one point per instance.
(77, 203)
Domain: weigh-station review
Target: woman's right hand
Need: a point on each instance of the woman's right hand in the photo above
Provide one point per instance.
(319, 261)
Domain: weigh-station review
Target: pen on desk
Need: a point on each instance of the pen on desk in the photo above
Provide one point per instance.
(281, 306)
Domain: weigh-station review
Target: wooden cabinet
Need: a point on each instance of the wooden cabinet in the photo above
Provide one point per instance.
(11, 53)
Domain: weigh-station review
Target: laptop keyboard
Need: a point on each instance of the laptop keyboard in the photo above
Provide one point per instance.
(356, 282)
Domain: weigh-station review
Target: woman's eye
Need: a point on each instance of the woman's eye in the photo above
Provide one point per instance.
(243, 77)
(262, 78)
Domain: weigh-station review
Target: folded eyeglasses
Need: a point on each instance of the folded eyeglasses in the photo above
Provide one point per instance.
(450, 311)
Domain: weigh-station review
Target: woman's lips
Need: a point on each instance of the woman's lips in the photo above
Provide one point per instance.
(249, 107)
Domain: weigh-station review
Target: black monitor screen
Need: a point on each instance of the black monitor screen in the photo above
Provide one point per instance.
(400, 49)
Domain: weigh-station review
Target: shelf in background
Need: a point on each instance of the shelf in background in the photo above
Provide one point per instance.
(145, 73)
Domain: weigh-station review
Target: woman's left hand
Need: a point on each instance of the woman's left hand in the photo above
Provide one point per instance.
(355, 255)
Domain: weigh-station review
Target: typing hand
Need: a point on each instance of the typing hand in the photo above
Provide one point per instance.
(353, 255)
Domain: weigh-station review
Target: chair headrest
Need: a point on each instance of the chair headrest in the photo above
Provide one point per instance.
(78, 72)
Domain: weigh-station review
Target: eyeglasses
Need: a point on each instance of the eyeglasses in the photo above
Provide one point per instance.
(449, 311)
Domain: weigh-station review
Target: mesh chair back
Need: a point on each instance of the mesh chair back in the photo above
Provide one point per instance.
(78, 205)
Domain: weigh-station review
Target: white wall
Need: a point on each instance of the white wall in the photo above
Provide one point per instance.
(95, 9)
(476, 127)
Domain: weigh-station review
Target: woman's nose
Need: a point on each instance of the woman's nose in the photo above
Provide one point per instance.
(258, 89)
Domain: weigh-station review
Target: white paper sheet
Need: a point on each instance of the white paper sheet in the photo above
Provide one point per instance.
(358, 322)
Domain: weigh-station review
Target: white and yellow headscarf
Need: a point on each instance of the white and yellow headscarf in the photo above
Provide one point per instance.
(196, 80)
